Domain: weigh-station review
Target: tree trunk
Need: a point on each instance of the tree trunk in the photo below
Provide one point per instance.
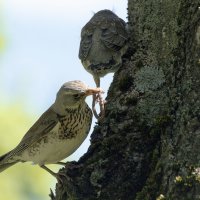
(148, 145)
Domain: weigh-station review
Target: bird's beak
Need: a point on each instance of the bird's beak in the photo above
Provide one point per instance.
(91, 91)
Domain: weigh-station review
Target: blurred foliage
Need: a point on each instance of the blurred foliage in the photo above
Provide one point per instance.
(22, 181)
(2, 42)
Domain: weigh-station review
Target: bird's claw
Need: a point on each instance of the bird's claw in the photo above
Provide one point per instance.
(97, 98)
(60, 175)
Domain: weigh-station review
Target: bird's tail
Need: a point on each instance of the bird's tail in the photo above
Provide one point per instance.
(4, 163)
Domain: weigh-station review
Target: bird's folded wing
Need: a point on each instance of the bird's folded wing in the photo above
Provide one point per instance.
(40, 129)
(86, 42)
(114, 35)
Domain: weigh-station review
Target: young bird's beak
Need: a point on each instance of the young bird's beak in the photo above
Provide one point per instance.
(91, 91)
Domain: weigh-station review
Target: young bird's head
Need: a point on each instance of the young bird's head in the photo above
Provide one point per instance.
(71, 95)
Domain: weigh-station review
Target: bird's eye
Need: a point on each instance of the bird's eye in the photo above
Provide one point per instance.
(76, 96)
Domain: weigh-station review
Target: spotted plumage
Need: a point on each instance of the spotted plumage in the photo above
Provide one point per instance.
(58, 132)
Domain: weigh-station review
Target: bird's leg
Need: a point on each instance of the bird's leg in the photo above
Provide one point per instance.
(102, 108)
(62, 163)
(94, 101)
(56, 175)
(95, 97)
(69, 165)
(98, 98)
(50, 171)
(97, 80)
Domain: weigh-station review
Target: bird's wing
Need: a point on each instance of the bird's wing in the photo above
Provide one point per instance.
(86, 41)
(40, 129)
(114, 34)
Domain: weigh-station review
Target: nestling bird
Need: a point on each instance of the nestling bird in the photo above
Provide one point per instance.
(103, 43)
(58, 132)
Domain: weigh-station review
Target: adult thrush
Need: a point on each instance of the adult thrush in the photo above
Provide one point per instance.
(103, 43)
(58, 132)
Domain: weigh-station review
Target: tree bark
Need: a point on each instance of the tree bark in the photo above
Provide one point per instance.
(148, 145)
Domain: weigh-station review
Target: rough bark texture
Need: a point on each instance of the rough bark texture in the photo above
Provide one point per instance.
(148, 145)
